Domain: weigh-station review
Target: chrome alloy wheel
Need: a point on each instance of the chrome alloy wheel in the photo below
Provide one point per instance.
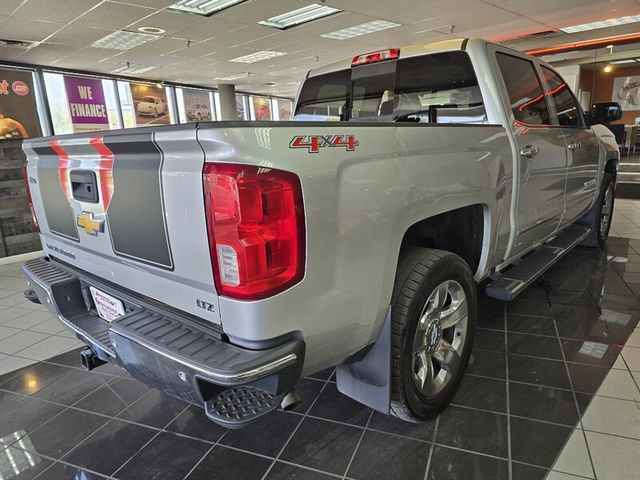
(439, 338)
(607, 210)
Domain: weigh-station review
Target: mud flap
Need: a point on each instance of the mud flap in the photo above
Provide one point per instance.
(366, 376)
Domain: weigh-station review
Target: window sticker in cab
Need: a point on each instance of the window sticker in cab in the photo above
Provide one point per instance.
(313, 143)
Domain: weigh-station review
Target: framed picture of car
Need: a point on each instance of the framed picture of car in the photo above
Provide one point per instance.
(197, 105)
(150, 104)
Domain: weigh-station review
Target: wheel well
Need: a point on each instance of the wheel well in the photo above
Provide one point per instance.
(611, 166)
(459, 231)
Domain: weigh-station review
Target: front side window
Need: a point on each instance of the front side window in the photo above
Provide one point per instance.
(567, 109)
(525, 92)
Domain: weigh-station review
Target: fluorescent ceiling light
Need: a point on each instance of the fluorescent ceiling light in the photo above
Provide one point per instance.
(610, 22)
(133, 69)
(631, 60)
(300, 16)
(204, 7)
(123, 40)
(229, 78)
(362, 29)
(257, 57)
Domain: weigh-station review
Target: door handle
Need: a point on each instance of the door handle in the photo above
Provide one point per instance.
(529, 151)
(574, 146)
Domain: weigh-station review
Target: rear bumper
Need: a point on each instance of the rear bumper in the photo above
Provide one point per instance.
(175, 354)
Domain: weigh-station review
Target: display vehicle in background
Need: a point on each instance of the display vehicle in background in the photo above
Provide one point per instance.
(221, 261)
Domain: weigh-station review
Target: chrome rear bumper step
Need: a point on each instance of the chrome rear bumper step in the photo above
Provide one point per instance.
(512, 281)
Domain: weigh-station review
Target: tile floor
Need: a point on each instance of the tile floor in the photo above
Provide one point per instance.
(552, 391)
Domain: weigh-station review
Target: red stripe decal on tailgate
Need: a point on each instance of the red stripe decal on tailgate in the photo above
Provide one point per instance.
(63, 169)
(105, 169)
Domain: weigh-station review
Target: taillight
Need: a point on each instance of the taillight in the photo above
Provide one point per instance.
(374, 57)
(255, 219)
(26, 182)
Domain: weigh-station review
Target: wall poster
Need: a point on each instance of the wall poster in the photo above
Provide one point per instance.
(151, 105)
(18, 113)
(197, 106)
(626, 91)
(87, 104)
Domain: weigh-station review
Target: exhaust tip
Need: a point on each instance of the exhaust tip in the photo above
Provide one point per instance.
(290, 400)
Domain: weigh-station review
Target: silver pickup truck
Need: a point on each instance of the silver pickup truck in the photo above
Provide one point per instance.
(221, 261)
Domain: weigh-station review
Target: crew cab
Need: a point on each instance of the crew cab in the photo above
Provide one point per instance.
(221, 261)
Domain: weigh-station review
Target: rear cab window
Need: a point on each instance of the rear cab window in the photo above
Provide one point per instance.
(436, 88)
(528, 102)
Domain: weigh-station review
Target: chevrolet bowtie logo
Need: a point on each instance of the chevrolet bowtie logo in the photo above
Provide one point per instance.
(90, 224)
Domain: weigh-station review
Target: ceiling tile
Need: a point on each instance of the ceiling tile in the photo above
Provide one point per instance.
(21, 29)
(113, 15)
(74, 35)
(60, 11)
(171, 22)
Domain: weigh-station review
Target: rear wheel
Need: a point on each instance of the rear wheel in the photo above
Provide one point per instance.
(434, 316)
(600, 215)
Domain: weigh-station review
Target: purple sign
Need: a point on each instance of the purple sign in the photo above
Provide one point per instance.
(86, 104)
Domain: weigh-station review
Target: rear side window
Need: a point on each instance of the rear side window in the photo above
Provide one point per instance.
(437, 88)
(567, 109)
(324, 98)
(525, 91)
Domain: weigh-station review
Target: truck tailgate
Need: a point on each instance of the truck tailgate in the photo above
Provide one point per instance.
(128, 207)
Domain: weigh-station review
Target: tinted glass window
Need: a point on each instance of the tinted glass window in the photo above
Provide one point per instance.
(566, 105)
(443, 85)
(324, 97)
(525, 92)
(437, 88)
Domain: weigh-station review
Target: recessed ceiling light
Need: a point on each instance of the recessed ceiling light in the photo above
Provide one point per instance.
(133, 69)
(257, 56)
(362, 29)
(123, 40)
(152, 30)
(610, 22)
(204, 7)
(300, 16)
(631, 60)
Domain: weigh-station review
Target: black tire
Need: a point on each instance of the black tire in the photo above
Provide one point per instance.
(594, 218)
(420, 272)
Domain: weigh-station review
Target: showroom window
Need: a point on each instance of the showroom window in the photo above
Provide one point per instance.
(57, 98)
(242, 108)
(80, 112)
(126, 105)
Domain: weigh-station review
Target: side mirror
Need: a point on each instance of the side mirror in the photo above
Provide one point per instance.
(588, 119)
(605, 112)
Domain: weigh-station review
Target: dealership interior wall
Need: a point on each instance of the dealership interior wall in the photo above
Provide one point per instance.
(552, 386)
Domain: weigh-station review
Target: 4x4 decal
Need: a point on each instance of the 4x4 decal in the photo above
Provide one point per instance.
(313, 143)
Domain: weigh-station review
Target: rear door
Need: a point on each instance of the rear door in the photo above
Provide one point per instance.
(582, 146)
(540, 147)
(128, 207)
